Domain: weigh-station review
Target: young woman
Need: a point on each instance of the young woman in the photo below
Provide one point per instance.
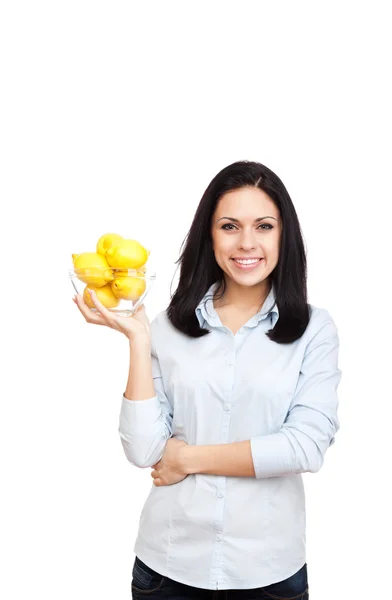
(231, 396)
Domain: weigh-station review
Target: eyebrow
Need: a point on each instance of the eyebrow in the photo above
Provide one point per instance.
(256, 220)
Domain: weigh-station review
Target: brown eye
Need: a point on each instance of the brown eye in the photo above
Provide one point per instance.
(267, 225)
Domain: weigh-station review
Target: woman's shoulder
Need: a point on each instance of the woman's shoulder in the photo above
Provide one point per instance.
(320, 320)
(161, 327)
(160, 320)
(166, 340)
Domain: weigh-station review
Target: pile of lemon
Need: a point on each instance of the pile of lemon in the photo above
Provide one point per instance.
(105, 271)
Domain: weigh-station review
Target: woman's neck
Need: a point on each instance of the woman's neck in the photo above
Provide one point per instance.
(242, 302)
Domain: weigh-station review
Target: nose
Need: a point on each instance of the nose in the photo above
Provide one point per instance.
(248, 241)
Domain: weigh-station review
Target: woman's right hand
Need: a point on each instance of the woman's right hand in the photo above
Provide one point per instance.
(134, 327)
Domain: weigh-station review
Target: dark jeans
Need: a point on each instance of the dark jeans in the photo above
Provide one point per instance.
(147, 583)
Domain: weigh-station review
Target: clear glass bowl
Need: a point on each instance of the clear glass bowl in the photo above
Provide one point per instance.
(123, 290)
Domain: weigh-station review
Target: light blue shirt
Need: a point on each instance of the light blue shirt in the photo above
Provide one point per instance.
(219, 532)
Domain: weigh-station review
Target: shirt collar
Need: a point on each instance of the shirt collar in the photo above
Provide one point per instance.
(205, 310)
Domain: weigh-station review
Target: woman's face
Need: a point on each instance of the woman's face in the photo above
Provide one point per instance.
(255, 234)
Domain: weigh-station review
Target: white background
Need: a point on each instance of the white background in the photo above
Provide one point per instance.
(115, 116)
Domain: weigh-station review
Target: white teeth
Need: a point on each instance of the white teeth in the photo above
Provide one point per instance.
(247, 262)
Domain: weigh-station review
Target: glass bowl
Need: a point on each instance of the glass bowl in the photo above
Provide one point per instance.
(120, 290)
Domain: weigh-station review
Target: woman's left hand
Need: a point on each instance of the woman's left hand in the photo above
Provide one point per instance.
(170, 469)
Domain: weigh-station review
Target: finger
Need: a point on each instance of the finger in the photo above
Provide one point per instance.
(88, 314)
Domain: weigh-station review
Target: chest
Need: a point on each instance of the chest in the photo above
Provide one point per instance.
(241, 385)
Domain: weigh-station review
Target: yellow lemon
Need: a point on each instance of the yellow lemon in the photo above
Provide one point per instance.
(128, 254)
(128, 288)
(106, 241)
(92, 268)
(104, 295)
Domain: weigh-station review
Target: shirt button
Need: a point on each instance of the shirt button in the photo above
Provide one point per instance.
(220, 494)
(226, 407)
(218, 538)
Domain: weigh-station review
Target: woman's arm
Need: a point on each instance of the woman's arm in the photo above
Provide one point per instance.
(146, 413)
(233, 460)
(140, 385)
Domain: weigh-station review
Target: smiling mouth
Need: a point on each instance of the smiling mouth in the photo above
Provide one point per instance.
(246, 266)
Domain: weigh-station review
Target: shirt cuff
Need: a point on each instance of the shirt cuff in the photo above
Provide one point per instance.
(271, 455)
(137, 416)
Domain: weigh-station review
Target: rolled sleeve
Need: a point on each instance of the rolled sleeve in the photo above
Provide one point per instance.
(146, 425)
(312, 420)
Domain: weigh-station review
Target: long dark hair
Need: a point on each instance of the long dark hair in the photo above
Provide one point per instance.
(199, 269)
